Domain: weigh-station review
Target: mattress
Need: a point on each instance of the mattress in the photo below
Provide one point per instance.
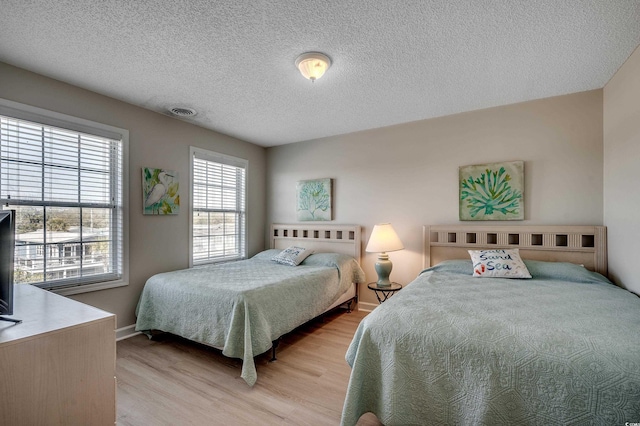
(242, 307)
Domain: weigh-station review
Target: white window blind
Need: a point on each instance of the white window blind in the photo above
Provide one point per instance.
(218, 230)
(67, 189)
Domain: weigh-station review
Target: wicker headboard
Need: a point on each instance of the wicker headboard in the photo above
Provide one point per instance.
(345, 239)
(585, 245)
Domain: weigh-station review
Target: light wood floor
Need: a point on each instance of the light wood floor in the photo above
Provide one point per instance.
(171, 381)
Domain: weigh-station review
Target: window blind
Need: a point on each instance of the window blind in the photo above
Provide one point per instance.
(67, 189)
(218, 207)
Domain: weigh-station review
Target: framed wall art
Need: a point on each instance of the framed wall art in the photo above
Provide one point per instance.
(160, 191)
(313, 200)
(493, 191)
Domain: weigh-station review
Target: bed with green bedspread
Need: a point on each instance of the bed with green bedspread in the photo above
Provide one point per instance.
(561, 348)
(242, 307)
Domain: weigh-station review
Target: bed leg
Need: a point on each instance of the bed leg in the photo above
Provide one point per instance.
(349, 304)
(274, 345)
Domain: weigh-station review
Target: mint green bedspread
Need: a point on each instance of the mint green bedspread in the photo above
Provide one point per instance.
(562, 348)
(241, 307)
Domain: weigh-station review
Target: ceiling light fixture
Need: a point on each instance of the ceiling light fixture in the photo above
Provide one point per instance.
(313, 65)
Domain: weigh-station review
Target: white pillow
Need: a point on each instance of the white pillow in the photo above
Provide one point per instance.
(498, 264)
(292, 256)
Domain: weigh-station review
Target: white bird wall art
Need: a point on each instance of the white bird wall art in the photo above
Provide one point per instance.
(160, 191)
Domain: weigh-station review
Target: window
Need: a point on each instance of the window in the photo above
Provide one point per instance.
(65, 178)
(218, 207)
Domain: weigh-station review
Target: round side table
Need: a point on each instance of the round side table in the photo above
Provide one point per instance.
(384, 292)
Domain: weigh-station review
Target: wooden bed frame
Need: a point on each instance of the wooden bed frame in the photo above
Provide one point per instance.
(585, 245)
(344, 239)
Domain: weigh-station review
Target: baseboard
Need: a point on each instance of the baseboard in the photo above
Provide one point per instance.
(367, 307)
(126, 332)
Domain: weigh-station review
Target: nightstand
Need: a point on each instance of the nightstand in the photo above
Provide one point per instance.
(383, 293)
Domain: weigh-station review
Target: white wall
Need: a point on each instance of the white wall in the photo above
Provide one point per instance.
(156, 243)
(622, 172)
(408, 174)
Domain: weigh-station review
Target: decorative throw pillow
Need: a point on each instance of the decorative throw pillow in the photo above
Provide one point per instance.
(292, 256)
(498, 264)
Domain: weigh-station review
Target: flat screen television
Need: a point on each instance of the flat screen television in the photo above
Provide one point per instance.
(7, 249)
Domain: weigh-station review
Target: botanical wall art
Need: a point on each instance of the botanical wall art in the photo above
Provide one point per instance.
(492, 191)
(160, 191)
(314, 199)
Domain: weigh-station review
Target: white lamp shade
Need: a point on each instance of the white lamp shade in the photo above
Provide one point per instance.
(383, 238)
(313, 65)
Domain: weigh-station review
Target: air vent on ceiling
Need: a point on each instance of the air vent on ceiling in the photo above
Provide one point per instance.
(182, 112)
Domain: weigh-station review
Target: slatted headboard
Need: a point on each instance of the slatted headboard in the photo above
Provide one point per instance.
(586, 245)
(345, 239)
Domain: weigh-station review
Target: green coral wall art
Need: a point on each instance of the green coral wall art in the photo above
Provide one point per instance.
(314, 200)
(160, 191)
(492, 191)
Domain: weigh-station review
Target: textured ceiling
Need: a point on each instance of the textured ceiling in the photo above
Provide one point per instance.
(394, 61)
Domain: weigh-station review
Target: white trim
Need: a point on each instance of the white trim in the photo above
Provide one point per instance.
(87, 288)
(126, 332)
(216, 157)
(56, 119)
(367, 307)
(52, 118)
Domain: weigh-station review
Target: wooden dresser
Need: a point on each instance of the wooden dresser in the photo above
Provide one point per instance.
(58, 366)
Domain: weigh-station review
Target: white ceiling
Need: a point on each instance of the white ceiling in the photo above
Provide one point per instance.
(394, 61)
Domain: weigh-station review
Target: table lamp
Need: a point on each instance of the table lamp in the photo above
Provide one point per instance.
(383, 239)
